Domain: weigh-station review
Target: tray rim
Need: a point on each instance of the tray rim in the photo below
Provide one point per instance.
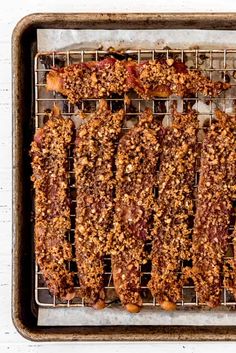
(222, 21)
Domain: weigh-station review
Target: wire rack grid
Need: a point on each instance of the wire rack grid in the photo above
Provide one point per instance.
(217, 64)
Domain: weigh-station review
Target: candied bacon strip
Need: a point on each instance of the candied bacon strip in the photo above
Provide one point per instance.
(214, 205)
(230, 263)
(49, 152)
(153, 78)
(173, 209)
(136, 164)
(229, 269)
(94, 159)
(166, 77)
(89, 80)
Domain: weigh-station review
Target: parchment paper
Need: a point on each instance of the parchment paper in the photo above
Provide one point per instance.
(49, 39)
(118, 316)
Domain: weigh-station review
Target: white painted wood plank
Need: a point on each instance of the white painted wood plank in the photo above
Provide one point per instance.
(167, 347)
(11, 12)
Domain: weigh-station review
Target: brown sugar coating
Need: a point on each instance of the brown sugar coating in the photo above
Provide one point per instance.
(94, 160)
(49, 152)
(173, 208)
(230, 264)
(153, 78)
(214, 205)
(136, 163)
(229, 269)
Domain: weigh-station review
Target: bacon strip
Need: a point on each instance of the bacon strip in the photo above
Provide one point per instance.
(214, 204)
(153, 78)
(49, 152)
(171, 232)
(94, 161)
(136, 163)
(229, 269)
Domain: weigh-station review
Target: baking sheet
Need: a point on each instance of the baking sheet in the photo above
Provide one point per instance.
(49, 40)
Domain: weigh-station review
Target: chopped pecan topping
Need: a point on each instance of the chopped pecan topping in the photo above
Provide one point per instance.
(94, 160)
(136, 164)
(49, 152)
(153, 78)
(214, 205)
(174, 206)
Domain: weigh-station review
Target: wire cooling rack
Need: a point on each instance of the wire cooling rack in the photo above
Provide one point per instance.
(217, 64)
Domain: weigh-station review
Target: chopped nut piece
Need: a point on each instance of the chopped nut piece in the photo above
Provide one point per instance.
(170, 62)
(129, 168)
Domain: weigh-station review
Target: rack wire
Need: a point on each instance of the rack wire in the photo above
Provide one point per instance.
(218, 64)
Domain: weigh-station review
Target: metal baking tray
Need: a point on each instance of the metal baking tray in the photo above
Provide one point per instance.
(28, 291)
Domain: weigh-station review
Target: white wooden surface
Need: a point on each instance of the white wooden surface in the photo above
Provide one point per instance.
(11, 11)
